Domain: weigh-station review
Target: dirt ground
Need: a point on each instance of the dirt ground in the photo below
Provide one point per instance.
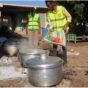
(75, 73)
(78, 65)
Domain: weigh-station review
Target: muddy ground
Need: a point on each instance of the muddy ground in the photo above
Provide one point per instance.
(75, 73)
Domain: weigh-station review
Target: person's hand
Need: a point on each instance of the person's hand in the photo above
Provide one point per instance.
(48, 25)
(65, 27)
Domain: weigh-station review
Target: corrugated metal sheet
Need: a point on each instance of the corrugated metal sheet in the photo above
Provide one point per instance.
(39, 3)
(15, 5)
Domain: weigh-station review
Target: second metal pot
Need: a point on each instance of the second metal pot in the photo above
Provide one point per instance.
(26, 55)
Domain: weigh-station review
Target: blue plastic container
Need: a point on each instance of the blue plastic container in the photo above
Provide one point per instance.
(44, 32)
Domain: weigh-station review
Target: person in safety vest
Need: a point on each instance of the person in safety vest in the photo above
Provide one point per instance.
(33, 27)
(58, 19)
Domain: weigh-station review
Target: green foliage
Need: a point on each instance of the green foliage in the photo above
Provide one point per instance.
(76, 8)
(79, 8)
(78, 11)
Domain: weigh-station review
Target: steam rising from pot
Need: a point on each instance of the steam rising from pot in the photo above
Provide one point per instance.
(26, 44)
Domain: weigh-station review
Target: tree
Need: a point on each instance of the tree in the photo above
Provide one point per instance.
(78, 10)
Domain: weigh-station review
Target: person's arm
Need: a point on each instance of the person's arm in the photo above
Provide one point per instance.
(48, 23)
(20, 32)
(68, 18)
(67, 14)
(39, 22)
(25, 32)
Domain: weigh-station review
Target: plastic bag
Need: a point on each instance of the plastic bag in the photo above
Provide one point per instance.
(55, 38)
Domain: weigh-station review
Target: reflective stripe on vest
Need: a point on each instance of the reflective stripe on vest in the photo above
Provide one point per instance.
(57, 19)
(33, 22)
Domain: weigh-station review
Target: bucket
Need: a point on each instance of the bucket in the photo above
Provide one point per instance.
(44, 32)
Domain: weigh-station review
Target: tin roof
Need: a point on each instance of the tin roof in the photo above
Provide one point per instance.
(15, 7)
(18, 5)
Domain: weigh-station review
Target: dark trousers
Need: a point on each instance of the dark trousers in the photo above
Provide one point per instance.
(62, 54)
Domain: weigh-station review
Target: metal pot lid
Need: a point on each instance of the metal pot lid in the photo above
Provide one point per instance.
(50, 62)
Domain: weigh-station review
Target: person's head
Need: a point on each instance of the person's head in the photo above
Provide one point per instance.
(33, 11)
(51, 4)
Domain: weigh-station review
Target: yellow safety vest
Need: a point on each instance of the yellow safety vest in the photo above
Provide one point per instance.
(58, 20)
(33, 22)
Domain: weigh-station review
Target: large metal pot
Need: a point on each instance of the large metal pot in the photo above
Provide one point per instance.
(11, 48)
(26, 55)
(46, 72)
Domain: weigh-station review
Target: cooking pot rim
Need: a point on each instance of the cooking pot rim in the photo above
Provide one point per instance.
(57, 65)
(10, 45)
(31, 53)
(44, 64)
(34, 52)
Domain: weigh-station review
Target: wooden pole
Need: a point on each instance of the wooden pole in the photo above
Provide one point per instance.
(0, 20)
(1, 6)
